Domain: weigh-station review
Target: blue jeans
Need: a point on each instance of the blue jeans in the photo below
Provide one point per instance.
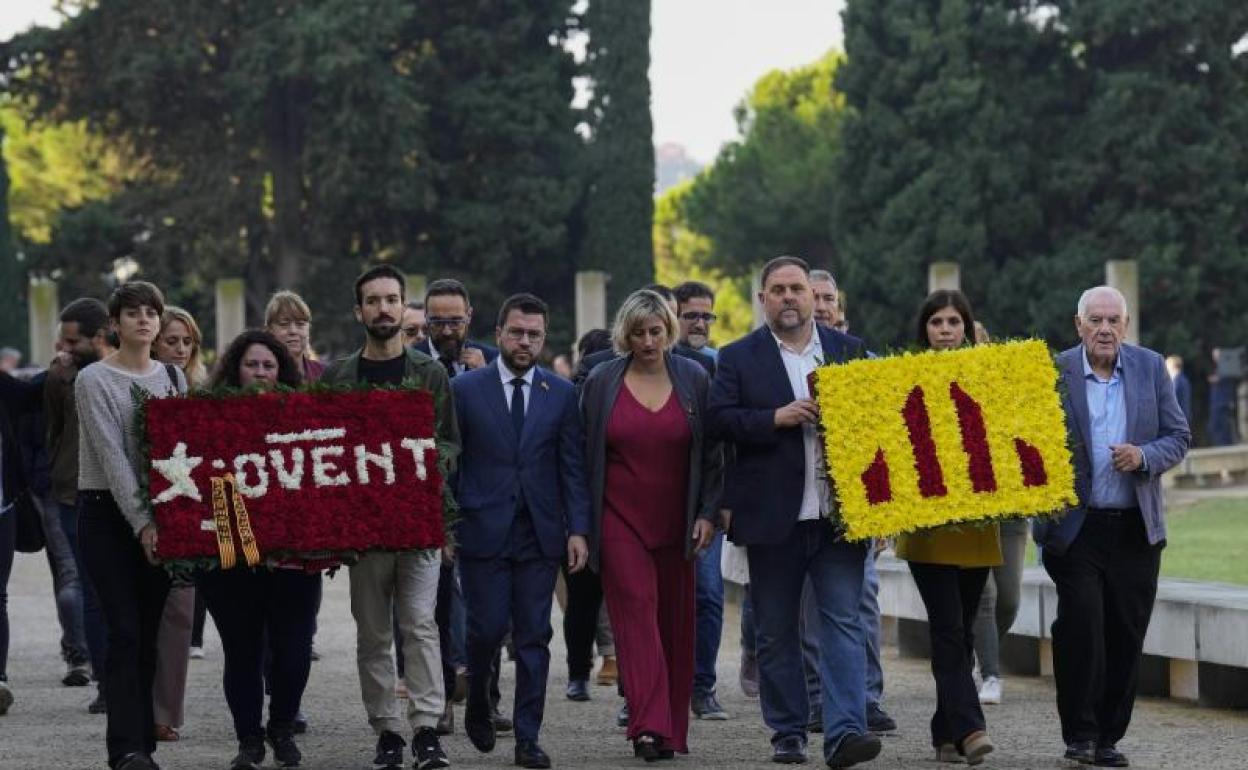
(869, 609)
(836, 571)
(66, 588)
(709, 598)
(95, 629)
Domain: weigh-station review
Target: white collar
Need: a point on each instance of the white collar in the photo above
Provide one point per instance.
(507, 375)
(815, 345)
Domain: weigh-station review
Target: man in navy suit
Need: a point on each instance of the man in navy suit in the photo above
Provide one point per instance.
(524, 506)
(1105, 553)
(780, 504)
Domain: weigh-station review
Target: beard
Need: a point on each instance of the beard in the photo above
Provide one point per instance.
(448, 349)
(515, 366)
(83, 358)
(382, 331)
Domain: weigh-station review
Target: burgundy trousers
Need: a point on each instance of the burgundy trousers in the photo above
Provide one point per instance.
(650, 598)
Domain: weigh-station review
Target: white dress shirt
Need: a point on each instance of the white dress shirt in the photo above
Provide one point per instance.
(506, 375)
(798, 364)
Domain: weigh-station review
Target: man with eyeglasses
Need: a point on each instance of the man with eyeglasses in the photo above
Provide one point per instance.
(524, 508)
(695, 308)
(415, 330)
(448, 314)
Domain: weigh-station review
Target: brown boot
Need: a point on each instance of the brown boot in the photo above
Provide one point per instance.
(608, 674)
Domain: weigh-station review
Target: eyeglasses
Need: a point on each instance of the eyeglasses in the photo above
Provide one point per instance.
(447, 323)
(692, 316)
(533, 335)
(413, 331)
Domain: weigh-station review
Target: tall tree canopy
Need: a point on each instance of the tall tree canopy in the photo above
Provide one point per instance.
(1031, 142)
(619, 205)
(769, 191)
(293, 142)
(503, 149)
(684, 254)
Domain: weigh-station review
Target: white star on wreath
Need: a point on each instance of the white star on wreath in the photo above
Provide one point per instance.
(177, 471)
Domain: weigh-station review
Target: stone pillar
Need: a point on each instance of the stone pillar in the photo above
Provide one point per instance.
(416, 285)
(1184, 679)
(943, 275)
(1242, 410)
(756, 288)
(44, 309)
(1124, 275)
(231, 311)
(591, 300)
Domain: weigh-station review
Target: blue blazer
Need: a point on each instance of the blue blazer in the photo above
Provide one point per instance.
(1155, 424)
(546, 465)
(763, 487)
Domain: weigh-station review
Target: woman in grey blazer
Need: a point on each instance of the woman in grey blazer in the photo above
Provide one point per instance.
(655, 481)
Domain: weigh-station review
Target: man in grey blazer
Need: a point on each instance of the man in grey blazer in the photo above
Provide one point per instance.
(1127, 429)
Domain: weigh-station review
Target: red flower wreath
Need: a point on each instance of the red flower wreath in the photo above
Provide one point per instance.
(316, 472)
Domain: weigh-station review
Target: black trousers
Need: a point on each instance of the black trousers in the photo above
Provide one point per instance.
(261, 614)
(445, 616)
(580, 620)
(1106, 584)
(951, 596)
(132, 596)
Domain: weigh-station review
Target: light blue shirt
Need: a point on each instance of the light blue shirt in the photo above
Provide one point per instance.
(1107, 419)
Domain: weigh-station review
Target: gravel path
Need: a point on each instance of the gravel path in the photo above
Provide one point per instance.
(48, 725)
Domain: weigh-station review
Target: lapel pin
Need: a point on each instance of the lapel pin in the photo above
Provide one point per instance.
(543, 385)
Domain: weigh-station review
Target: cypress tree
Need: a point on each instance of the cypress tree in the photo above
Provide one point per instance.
(619, 206)
(503, 149)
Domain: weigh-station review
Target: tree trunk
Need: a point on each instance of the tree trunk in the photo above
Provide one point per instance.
(285, 150)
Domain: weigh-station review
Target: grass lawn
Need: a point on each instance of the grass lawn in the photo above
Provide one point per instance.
(1206, 541)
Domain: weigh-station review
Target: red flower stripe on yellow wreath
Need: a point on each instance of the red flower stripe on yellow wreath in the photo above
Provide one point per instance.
(920, 440)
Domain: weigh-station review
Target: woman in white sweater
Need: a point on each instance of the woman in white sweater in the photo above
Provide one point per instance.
(118, 537)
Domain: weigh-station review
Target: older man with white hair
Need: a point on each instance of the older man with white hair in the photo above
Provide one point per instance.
(1105, 553)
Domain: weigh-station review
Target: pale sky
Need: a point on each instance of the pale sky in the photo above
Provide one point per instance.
(705, 55)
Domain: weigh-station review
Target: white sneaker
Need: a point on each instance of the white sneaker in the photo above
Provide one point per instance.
(990, 691)
(197, 653)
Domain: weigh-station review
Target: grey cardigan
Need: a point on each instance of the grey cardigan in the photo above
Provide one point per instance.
(706, 462)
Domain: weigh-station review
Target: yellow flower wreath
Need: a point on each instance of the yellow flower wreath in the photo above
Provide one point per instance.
(921, 440)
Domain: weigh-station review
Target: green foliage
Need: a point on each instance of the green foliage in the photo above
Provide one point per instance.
(275, 138)
(503, 151)
(55, 167)
(1031, 143)
(12, 323)
(619, 206)
(683, 254)
(292, 143)
(769, 192)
